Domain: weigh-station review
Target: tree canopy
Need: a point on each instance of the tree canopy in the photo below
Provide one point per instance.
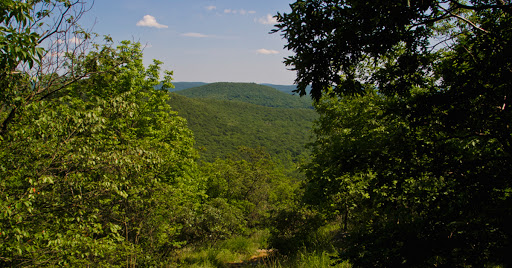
(96, 168)
(412, 146)
(249, 93)
(333, 40)
(221, 126)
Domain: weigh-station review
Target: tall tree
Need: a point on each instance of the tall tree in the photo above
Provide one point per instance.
(416, 148)
(96, 169)
(98, 174)
(38, 40)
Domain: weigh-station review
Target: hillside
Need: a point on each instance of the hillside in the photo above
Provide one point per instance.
(221, 126)
(283, 88)
(184, 85)
(249, 93)
(288, 89)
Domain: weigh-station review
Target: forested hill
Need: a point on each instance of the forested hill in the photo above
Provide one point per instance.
(221, 126)
(287, 88)
(184, 85)
(249, 93)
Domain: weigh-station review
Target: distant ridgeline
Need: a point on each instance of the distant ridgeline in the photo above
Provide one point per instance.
(224, 116)
(283, 88)
(184, 85)
(249, 93)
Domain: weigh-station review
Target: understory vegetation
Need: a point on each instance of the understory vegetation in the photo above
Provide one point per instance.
(404, 160)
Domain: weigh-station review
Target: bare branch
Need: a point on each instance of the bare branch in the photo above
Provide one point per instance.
(502, 5)
(64, 42)
(47, 35)
(464, 19)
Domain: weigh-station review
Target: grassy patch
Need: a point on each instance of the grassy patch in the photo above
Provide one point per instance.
(247, 251)
(223, 253)
(306, 259)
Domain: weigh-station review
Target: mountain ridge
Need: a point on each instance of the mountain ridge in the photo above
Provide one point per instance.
(284, 88)
(247, 92)
(221, 125)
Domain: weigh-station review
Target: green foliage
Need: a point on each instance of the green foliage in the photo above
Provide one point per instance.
(330, 39)
(242, 193)
(412, 149)
(294, 228)
(290, 89)
(98, 173)
(248, 93)
(35, 47)
(220, 127)
(312, 258)
(226, 253)
(18, 44)
(184, 85)
(96, 168)
(406, 187)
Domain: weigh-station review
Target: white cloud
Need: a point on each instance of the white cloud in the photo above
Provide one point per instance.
(196, 35)
(266, 51)
(72, 40)
(238, 11)
(150, 21)
(75, 40)
(54, 54)
(269, 19)
(211, 8)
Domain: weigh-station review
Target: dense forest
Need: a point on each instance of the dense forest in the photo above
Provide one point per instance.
(249, 93)
(400, 158)
(225, 116)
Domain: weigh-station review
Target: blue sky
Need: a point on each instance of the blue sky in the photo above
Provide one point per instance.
(201, 40)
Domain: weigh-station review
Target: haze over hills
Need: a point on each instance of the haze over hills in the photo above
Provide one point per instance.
(224, 116)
